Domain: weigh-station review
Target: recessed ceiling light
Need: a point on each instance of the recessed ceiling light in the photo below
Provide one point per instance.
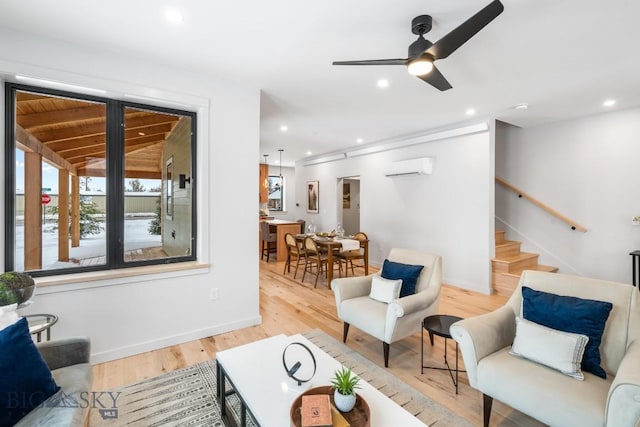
(383, 83)
(284, 128)
(172, 15)
(522, 106)
(309, 153)
(470, 112)
(359, 140)
(141, 133)
(609, 103)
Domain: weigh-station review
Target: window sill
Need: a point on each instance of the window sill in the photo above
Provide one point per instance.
(97, 279)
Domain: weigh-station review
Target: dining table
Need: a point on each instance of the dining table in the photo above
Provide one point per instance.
(332, 244)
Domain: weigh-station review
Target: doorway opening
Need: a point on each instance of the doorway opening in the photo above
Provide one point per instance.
(349, 204)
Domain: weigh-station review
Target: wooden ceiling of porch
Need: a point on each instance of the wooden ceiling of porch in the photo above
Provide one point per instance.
(71, 134)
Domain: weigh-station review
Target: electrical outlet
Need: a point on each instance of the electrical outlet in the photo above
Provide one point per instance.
(213, 294)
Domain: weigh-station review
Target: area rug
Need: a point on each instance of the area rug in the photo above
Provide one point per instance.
(187, 397)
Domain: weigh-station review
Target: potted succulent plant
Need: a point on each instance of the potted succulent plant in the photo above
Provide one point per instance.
(15, 288)
(344, 382)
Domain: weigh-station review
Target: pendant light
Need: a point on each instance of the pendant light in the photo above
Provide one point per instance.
(281, 179)
(266, 178)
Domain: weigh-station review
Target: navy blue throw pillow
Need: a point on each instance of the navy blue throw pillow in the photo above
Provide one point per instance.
(570, 314)
(407, 272)
(26, 380)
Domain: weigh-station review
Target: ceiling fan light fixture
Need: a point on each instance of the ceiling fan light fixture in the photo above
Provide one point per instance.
(422, 53)
(420, 66)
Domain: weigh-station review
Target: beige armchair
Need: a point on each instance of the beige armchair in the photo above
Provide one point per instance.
(398, 319)
(544, 393)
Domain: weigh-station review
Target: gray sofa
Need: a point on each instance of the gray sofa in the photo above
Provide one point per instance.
(68, 360)
(544, 393)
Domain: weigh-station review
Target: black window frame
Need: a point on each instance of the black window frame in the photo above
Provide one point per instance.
(114, 174)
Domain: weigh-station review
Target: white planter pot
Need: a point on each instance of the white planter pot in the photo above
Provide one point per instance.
(344, 403)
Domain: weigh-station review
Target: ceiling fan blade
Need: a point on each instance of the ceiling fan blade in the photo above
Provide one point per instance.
(373, 62)
(459, 36)
(436, 79)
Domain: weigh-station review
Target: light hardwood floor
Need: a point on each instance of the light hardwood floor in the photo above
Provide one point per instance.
(291, 307)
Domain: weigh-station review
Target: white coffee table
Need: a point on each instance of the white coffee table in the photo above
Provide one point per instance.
(257, 375)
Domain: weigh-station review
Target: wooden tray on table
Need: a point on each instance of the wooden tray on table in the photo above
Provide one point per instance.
(359, 416)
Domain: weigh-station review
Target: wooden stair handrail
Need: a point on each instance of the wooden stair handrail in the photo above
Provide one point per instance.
(574, 225)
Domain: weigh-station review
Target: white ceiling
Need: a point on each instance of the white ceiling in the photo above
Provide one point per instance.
(562, 57)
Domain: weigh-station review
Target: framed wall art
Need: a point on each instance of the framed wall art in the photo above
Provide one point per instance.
(313, 196)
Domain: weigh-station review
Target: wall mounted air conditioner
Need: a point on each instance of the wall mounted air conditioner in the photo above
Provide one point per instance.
(421, 166)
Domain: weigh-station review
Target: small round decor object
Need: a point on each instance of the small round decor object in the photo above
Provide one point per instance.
(359, 416)
(291, 360)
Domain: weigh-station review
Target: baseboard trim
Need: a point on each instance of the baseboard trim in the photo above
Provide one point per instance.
(130, 350)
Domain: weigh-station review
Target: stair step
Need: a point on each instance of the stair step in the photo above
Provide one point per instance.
(520, 262)
(505, 283)
(507, 249)
(504, 291)
(516, 274)
(538, 267)
(510, 262)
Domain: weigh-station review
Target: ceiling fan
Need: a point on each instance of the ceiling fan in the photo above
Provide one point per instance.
(423, 53)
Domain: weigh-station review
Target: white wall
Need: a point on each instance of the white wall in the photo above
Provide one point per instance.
(157, 310)
(587, 169)
(449, 212)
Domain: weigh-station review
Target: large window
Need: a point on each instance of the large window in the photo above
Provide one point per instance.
(276, 193)
(95, 183)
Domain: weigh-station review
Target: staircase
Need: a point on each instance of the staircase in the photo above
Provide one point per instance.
(509, 263)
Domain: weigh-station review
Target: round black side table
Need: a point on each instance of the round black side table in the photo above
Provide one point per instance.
(439, 325)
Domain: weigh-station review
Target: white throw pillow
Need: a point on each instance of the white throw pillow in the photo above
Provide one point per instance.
(385, 290)
(8, 315)
(559, 350)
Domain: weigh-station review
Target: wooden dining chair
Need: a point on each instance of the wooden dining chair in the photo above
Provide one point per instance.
(294, 250)
(314, 257)
(269, 241)
(348, 256)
